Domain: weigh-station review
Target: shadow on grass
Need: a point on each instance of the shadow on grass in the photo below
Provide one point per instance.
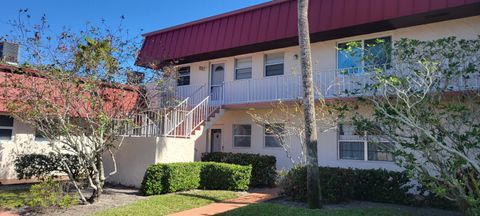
(211, 198)
(227, 201)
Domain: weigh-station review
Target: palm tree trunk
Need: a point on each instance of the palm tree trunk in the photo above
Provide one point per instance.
(313, 177)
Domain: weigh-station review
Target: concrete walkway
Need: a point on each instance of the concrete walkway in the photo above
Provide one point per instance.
(227, 205)
(7, 213)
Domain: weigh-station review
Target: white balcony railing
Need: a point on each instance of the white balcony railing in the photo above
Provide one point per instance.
(195, 103)
(289, 87)
(330, 83)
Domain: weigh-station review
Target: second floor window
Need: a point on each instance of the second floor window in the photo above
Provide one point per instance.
(243, 68)
(183, 76)
(274, 64)
(357, 145)
(6, 127)
(242, 135)
(354, 56)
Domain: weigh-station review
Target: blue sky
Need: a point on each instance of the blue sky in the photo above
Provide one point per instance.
(140, 14)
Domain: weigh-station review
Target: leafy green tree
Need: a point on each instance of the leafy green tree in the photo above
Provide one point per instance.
(74, 97)
(426, 101)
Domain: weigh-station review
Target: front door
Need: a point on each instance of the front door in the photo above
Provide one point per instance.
(216, 82)
(216, 140)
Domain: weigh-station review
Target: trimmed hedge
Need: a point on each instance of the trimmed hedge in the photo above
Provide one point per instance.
(380, 185)
(264, 171)
(343, 185)
(168, 178)
(336, 184)
(181, 176)
(221, 176)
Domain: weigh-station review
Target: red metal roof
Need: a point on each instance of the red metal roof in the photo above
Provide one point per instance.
(118, 96)
(273, 25)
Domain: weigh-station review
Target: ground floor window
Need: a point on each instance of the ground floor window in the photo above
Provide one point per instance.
(273, 135)
(6, 127)
(356, 145)
(380, 151)
(352, 150)
(39, 137)
(242, 135)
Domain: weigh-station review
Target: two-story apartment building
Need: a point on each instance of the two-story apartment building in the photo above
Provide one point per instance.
(246, 59)
(241, 62)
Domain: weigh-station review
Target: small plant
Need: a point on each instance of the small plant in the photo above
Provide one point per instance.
(49, 193)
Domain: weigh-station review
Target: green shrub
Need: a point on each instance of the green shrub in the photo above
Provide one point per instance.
(216, 176)
(153, 180)
(181, 176)
(379, 185)
(264, 171)
(342, 185)
(167, 178)
(43, 166)
(335, 184)
(49, 193)
(294, 184)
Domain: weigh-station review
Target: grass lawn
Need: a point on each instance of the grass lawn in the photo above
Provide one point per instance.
(10, 199)
(266, 209)
(170, 203)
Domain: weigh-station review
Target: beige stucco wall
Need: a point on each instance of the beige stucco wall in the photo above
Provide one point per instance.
(135, 154)
(327, 144)
(132, 158)
(22, 142)
(170, 150)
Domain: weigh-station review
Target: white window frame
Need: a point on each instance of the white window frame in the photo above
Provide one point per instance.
(234, 135)
(183, 75)
(265, 64)
(238, 68)
(265, 137)
(336, 54)
(366, 150)
(8, 128)
(362, 40)
(359, 141)
(365, 147)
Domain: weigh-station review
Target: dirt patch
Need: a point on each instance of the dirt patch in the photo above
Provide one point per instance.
(362, 204)
(111, 198)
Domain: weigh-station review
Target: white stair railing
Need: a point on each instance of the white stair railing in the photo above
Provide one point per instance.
(144, 124)
(197, 115)
(182, 120)
(175, 117)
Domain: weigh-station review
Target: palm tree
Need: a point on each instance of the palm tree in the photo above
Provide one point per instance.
(313, 177)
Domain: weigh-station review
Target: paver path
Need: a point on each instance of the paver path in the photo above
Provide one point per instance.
(227, 205)
(7, 213)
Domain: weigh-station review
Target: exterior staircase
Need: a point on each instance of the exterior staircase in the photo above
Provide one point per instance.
(190, 117)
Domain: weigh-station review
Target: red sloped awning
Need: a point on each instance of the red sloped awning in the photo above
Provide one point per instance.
(273, 25)
(121, 97)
